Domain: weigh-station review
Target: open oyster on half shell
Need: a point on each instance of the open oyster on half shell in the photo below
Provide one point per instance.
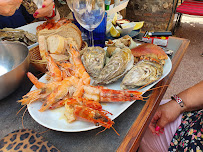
(19, 35)
(93, 59)
(118, 65)
(143, 73)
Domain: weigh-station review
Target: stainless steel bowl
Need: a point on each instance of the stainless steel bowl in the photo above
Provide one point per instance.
(14, 63)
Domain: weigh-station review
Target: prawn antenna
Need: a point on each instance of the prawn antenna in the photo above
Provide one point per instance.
(106, 128)
(145, 85)
(44, 131)
(158, 87)
(23, 117)
(101, 131)
(20, 110)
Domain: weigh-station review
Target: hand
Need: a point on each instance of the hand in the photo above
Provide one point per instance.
(165, 114)
(11, 7)
(46, 10)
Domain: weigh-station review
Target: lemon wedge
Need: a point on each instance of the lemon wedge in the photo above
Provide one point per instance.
(138, 25)
(108, 26)
(114, 19)
(114, 32)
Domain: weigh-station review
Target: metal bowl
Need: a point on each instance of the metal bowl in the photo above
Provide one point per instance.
(14, 63)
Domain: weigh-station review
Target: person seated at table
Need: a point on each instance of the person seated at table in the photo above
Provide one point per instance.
(177, 134)
(13, 14)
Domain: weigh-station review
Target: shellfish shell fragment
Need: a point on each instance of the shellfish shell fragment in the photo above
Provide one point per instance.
(118, 65)
(143, 73)
(93, 60)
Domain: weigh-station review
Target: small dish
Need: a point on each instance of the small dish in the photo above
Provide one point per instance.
(132, 34)
(126, 28)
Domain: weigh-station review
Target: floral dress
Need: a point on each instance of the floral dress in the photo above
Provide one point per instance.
(189, 135)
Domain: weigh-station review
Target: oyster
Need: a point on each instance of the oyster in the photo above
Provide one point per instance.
(10, 34)
(30, 6)
(143, 73)
(93, 59)
(118, 65)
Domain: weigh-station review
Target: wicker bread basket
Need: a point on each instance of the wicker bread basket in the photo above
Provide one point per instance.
(38, 63)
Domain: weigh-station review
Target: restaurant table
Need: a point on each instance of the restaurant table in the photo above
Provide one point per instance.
(131, 124)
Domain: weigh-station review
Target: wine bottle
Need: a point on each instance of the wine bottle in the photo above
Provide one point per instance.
(107, 4)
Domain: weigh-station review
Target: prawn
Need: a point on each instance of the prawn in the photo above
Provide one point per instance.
(59, 92)
(88, 110)
(102, 94)
(54, 71)
(96, 116)
(80, 71)
(66, 68)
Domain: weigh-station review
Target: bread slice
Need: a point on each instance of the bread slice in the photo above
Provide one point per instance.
(59, 57)
(56, 44)
(42, 46)
(67, 30)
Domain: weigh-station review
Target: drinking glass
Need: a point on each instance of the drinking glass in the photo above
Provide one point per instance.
(89, 14)
(70, 4)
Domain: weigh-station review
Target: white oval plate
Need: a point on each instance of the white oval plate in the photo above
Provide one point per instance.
(54, 119)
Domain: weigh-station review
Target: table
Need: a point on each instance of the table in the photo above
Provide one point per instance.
(131, 124)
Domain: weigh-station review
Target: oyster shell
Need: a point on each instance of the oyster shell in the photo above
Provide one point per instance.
(30, 6)
(143, 73)
(93, 60)
(118, 65)
(10, 34)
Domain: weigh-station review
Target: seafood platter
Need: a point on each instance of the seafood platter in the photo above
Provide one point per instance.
(93, 86)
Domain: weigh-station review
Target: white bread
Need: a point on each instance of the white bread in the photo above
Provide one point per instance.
(42, 46)
(67, 30)
(59, 57)
(69, 113)
(56, 44)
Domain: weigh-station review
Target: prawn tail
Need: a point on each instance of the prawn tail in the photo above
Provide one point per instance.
(35, 81)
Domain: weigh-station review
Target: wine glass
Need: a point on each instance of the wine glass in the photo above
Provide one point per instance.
(70, 4)
(89, 14)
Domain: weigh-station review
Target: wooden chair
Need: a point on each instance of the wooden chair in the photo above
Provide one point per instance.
(190, 7)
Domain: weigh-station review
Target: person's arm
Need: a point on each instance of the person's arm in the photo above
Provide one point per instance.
(168, 112)
(192, 98)
(8, 7)
(47, 10)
